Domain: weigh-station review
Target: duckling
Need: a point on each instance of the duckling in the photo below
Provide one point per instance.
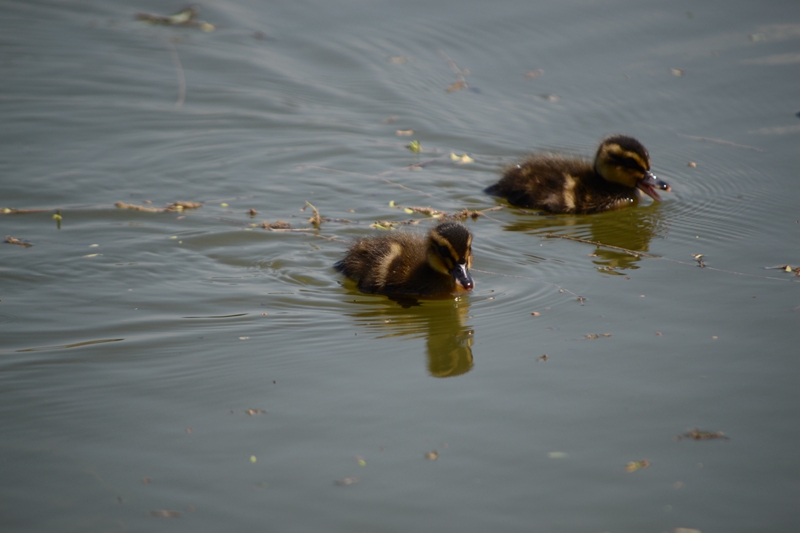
(566, 185)
(410, 264)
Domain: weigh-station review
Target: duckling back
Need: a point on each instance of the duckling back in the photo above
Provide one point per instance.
(384, 264)
(405, 263)
(571, 185)
(559, 184)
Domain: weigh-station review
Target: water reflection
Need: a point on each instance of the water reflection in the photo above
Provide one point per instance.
(627, 229)
(441, 322)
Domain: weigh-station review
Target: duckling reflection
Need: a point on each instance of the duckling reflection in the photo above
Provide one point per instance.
(441, 322)
(631, 229)
(561, 184)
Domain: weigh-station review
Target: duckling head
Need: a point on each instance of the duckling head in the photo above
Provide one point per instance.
(450, 252)
(624, 160)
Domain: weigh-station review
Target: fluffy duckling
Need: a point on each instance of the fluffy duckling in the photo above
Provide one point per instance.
(566, 185)
(404, 263)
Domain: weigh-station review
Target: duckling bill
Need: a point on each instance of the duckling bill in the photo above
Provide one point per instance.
(560, 184)
(405, 263)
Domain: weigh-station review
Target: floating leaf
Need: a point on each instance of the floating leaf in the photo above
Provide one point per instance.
(383, 224)
(633, 466)
(457, 86)
(461, 158)
(414, 146)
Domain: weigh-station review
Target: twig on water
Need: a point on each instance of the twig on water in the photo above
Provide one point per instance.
(176, 60)
(719, 141)
(462, 82)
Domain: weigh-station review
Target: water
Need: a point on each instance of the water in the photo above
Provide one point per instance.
(133, 343)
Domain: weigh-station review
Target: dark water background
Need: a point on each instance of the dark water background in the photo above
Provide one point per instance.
(133, 343)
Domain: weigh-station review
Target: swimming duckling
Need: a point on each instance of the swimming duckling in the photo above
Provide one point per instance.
(406, 263)
(566, 185)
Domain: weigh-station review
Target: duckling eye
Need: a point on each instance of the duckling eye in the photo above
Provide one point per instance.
(444, 251)
(630, 163)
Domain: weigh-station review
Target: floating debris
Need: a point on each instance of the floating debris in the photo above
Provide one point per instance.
(414, 146)
(467, 213)
(429, 211)
(253, 412)
(184, 17)
(404, 132)
(390, 225)
(175, 206)
(457, 86)
(786, 268)
(12, 211)
(13, 240)
(165, 514)
(699, 259)
(696, 434)
(345, 481)
(633, 466)
(536, 313)
(432, 456)
(134, 207)
(180, 206)
(532, 74)
(550, 97)
(252, 212)
(691, 164)
(677, 71)
(462, 82)
(315, 220)
(543, 358)
(361, 461)
(399, 60)
(280, 224)
(591, 336)
(461, 158)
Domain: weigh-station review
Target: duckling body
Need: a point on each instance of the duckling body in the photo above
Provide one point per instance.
(404, 263)
(560, 184)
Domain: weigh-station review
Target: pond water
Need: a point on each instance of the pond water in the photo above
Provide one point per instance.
(192, 370)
